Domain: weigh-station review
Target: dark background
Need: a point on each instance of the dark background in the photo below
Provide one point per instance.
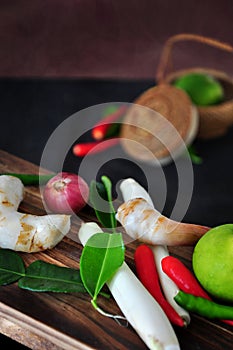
(58, 57)
(33, 108)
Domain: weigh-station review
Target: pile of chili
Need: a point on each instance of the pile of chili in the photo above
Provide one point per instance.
(186, 281)
(105, 133)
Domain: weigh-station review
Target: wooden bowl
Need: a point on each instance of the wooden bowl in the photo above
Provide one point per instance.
(160, 129)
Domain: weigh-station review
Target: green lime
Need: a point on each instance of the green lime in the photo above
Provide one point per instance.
(213, 262)
(203, 89)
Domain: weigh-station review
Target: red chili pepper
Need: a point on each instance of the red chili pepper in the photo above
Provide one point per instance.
(230, 322)
(83, 149)
(182, 276)
(184, 279)
(148, 275)
(100, 130)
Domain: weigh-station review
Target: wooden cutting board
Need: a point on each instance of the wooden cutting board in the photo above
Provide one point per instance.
(68, 321)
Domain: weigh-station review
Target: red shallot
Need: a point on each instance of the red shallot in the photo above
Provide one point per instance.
(66, 193)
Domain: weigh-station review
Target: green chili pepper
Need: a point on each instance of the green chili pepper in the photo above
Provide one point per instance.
(204, 307)
(32, 179)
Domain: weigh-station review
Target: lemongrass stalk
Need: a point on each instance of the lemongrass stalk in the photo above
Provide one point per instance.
(136, 303)
(169, 288)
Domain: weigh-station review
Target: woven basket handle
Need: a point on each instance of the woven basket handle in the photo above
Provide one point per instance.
(166, 57)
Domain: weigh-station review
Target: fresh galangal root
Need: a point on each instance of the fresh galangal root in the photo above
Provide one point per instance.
(26, 232)
(143, 222)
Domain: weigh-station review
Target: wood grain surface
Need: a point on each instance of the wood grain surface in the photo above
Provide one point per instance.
(68, 321)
